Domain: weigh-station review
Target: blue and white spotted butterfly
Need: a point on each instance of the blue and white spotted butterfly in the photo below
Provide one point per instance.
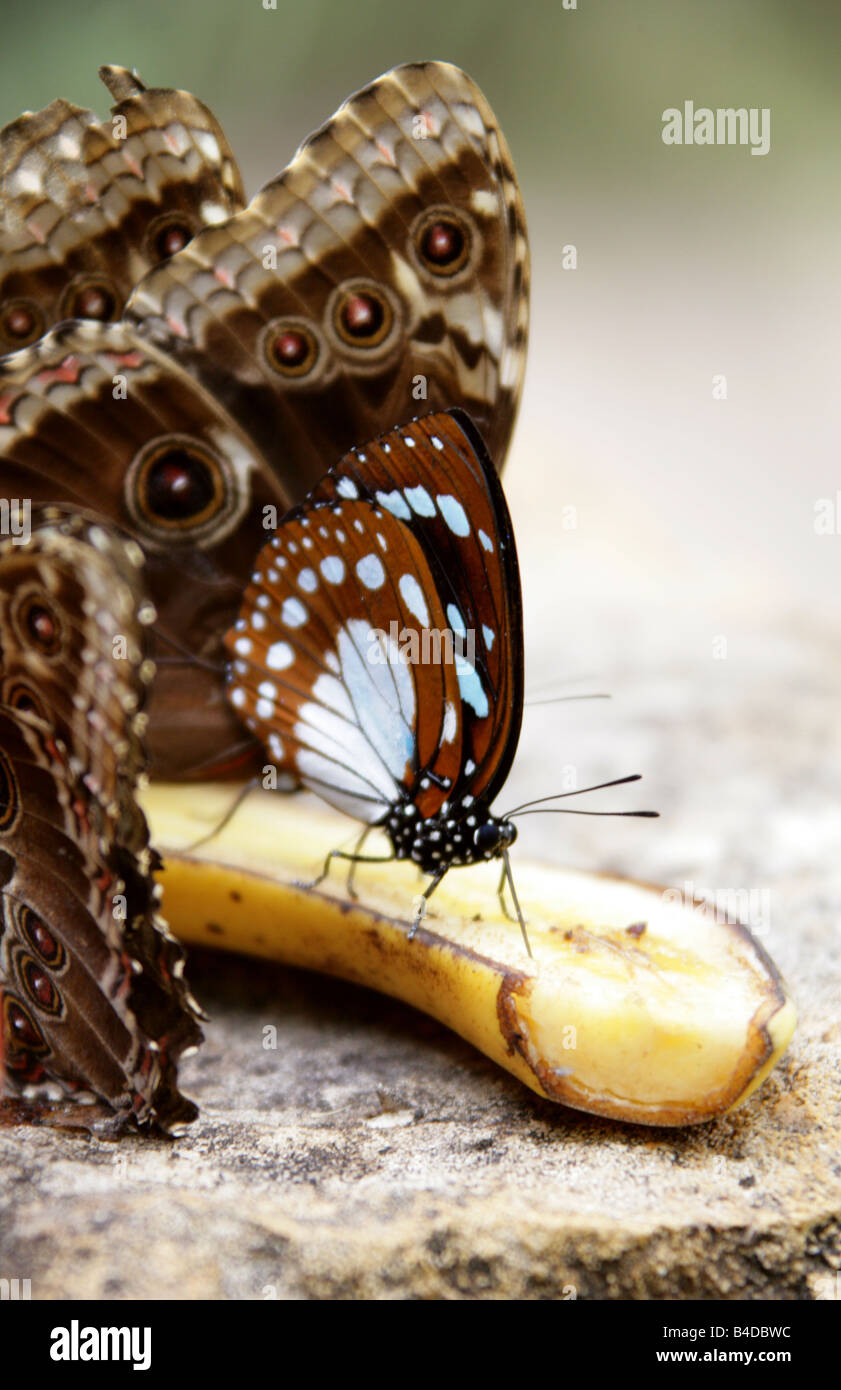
(379, 650)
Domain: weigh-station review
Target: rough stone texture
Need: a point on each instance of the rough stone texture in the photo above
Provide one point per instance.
(373, 1154)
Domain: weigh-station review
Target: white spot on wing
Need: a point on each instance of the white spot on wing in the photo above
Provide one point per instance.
(293, 613)
(413, 598)
(484, 202)
(214, 213)
(208, 144)
(279, 656)
(333, 569)
(370, 572)
(471, 687)
(383, 695)
(453, 513)
(420, 501)
(456, 621)
(450, 725)
(394, 502)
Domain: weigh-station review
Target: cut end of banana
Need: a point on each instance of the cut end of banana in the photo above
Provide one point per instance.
(637, 1005)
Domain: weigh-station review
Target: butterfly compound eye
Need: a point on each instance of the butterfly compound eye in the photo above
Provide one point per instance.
(487, 837)
(21, 323)
(494, 835)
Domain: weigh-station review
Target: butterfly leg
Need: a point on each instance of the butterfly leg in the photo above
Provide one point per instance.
(351, 891)
(506, 874)
(420, 908)
(500, 892)
(354, 859)
(228, 816)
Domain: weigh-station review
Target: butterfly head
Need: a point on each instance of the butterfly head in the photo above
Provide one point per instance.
(493, 835)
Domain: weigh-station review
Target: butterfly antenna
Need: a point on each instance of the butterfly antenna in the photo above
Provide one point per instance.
(579, 791)
(573, 811)
(228, 816)
(519, 911)
(544, 687)
(558, 699)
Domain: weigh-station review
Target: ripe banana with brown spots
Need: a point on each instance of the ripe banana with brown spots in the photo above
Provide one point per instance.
(636, 1006)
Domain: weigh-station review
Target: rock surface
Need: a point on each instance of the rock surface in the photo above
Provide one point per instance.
(372, 1154)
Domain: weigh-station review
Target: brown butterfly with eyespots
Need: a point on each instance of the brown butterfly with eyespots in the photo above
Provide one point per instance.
(386, 266)
(94, 1002)
(88, 208)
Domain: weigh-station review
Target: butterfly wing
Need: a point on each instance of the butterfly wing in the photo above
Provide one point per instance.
(88, 208)
(334, 663)
(406, 201)
(120, 431)
(387, 264)
(94, 998)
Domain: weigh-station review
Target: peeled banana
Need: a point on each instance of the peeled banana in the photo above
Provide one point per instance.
(636, 1005)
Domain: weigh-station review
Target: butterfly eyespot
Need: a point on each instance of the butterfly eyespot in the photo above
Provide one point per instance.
(40, 938)
(9, 794)
(443, 242)
(443, 246)
(20, 697)
(21, 323)
(39, 988)
(22, 1028)
(39, 624)
(179, 489)
(363, 316)
(90, 299)
(167, 236)
(291, 348)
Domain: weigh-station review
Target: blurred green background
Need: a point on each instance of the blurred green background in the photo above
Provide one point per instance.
(694, 516)
(692, 261)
